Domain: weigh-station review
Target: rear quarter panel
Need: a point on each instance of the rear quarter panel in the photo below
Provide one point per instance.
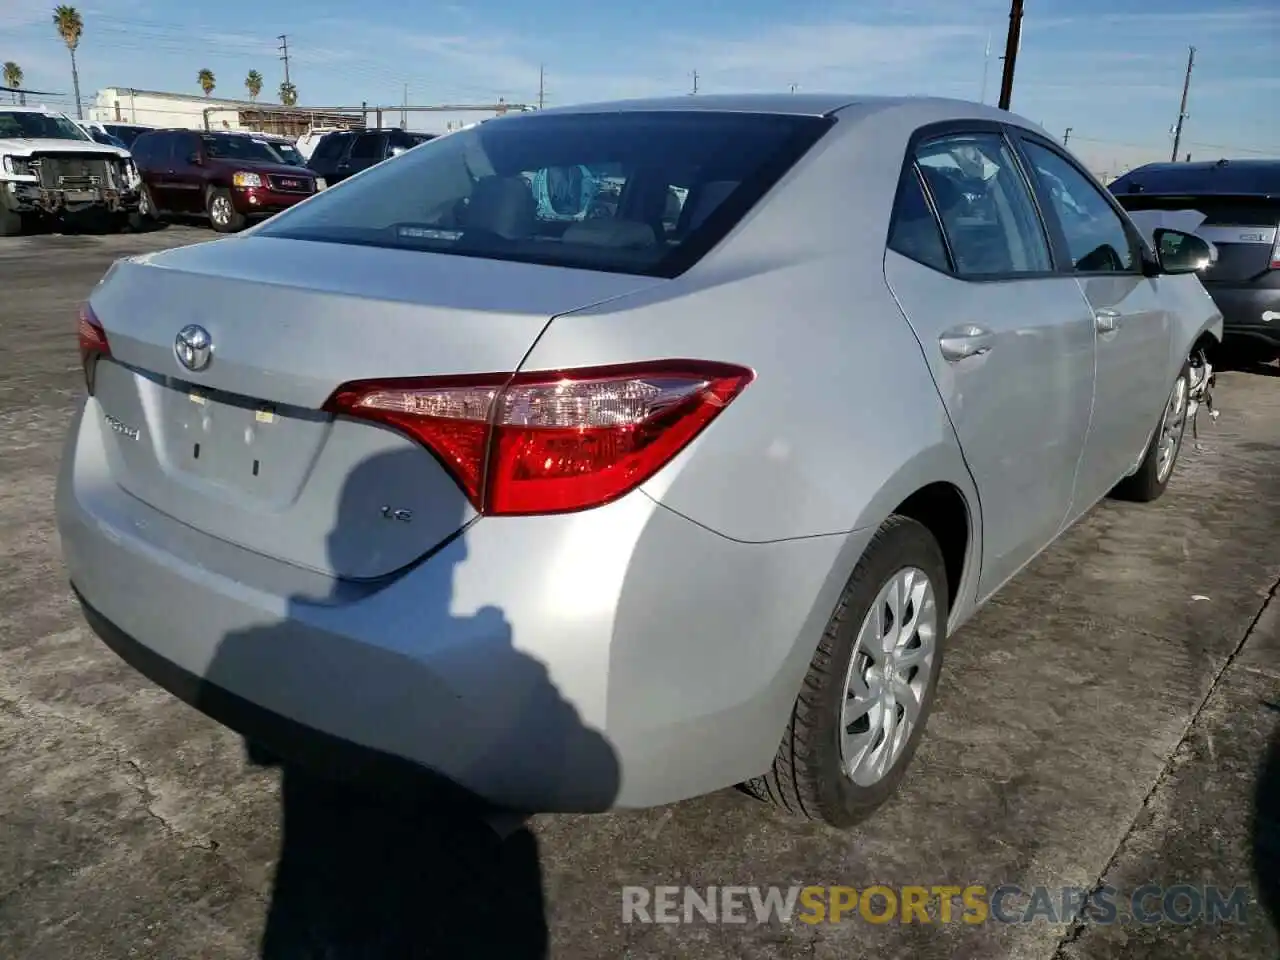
(843, 420)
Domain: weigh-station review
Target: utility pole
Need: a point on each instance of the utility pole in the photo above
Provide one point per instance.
(1182, 109)
(542, 86)
(695, 83)
(404, 112)
(986, 64)
(284, 47)
(1011, 46)
(793, 88)
(1066, 136)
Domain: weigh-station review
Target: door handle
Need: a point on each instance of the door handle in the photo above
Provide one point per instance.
(970, 340)
(1106, 321)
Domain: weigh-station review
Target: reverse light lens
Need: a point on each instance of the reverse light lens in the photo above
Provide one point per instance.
(93, 344)
(552, 442)
(242, 178)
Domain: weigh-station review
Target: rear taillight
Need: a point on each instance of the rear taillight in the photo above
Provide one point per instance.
(93, 344)
(551, 442)
(1275, 252)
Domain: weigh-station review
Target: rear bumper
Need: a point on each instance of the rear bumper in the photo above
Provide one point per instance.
(1249, 313)
(621, 657)
(255, 201)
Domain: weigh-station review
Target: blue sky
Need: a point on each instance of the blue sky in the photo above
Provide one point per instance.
(1109, 69)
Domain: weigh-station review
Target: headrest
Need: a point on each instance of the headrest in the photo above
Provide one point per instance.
(502, 205)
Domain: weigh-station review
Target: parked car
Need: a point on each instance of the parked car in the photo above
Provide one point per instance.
(227, 177)
(126, 132)
(98, 134)
(1240, 200)
(613, 511)
(341, 153)
(50, 167)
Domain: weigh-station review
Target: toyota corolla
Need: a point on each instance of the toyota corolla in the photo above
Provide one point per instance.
(608, 498)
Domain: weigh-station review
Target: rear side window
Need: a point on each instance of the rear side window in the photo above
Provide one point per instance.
(1096, 237)
(632, 192)
(369, 146)
(331, 146)
(987, 210)
(915, 232)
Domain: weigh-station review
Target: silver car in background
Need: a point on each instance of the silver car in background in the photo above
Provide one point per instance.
(683, 484)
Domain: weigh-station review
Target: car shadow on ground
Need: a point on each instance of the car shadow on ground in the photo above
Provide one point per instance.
(413, 868)
(1266, 829)
(1246, 361)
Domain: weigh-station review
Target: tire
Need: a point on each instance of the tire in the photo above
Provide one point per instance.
(223, 215)
(1152, 478)
(145, 217)
(10, 222)
(810, 776)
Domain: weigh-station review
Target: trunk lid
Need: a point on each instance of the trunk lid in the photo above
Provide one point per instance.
(1243, 228)
(241, 450)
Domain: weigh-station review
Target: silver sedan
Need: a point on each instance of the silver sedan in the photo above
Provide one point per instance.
(606, 456)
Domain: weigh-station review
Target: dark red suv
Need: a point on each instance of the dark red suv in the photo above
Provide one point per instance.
(227, 177)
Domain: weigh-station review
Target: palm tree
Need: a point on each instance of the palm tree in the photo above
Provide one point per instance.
(70, 27)
(12, 76)
(253, 83)
(206, 80)
(288, 94)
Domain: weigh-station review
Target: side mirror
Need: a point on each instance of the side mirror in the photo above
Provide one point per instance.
(1179, 252)
(396, 151)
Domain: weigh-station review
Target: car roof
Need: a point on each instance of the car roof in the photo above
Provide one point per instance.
(1219, 177)
(794, 104)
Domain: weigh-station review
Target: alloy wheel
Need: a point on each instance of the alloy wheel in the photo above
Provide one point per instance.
(220, 210)
(889, 674)
(1171, 427)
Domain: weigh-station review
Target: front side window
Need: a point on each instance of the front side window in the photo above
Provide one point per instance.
(986, 208)
(1096, 238)
(633, 192)
(32, 125)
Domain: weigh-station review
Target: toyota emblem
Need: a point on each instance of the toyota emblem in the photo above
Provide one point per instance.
(193, 347)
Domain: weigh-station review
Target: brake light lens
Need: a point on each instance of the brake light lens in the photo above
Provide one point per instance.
(1275, 253)
(93, 343)
(556, 441)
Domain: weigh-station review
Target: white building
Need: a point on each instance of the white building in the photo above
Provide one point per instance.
(154, 108)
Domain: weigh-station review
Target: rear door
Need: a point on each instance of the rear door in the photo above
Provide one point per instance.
(1133, 329)
(160, 172)
(1009, 340)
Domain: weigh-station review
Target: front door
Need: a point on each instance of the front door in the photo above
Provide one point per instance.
(1133, 331)
(1009, 341)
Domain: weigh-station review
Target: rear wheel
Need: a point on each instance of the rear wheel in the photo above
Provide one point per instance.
(870, 686)
(222, 213)
(1152, 478)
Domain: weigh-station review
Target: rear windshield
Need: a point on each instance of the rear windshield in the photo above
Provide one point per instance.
(629, 192)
